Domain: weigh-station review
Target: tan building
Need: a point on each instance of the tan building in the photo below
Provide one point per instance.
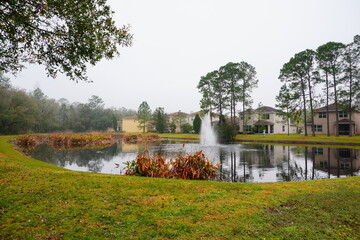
(131, 124)
(265, 119)
(320, 121)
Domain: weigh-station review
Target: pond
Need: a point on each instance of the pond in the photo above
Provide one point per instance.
(240, 162)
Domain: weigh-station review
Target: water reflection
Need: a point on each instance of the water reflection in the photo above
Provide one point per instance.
(240, 162)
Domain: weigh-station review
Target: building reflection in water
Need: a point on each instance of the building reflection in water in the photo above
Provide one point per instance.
(337, 161)
(272, 163)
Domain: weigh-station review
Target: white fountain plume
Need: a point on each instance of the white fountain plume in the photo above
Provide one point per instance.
(207, 133)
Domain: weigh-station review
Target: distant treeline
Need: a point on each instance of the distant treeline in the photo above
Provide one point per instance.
(25, 112)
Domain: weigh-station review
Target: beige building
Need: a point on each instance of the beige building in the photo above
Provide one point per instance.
(265, 119)
(131, 125)
(320, 121)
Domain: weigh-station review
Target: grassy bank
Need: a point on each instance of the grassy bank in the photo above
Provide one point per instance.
(40, 201)
(280, 138)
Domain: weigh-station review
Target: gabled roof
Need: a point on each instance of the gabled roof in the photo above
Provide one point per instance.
(332, 107)
(264, 109)
(267, 109)
(176, 113)
(134, 117)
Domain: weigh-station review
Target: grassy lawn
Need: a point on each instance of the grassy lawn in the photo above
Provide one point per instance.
(41, 201)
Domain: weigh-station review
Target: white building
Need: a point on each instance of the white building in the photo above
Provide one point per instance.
(265, 119)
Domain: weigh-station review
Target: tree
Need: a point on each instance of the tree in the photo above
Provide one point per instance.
(160, 120)
(179, 119)
(351, 78)
(4, 82)
(288, 102)
(144, 115)
(329, 56)
(249, 82)
(64, 35)
(197, 124)
(299, 73)
(18, 112)
(186, 128)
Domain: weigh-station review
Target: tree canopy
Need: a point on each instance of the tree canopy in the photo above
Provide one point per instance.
(63, 35)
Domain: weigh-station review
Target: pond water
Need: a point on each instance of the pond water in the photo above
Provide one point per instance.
(240, 162)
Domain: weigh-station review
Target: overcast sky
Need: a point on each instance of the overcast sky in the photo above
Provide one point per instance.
(178, 41)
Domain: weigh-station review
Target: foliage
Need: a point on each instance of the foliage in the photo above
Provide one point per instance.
(186, 128)
(143, 115)
(197, 123)
(179, 119)
(62, 140)
(172, 127)
(135, 138)
(196, 167)
(160, 120)
(18, 112)
(222, 89)
(64, 36)
(226, 132)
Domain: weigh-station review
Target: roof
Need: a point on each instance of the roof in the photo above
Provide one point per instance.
(267, 109)
(264, 109)
(332, 107)
(345, 121)
(134, 117)
(176, 113)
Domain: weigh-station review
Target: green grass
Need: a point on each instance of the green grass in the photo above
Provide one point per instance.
(41, 201)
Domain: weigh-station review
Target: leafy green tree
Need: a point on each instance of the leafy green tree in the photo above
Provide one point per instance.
(205, 88)
(64, 35)
(18, 112)
(160, 120)
(144, 115)
(288, 102)
(300, 75)
(47, 119)
(186, 128)
(331, 53)
(172, 127)
(197, 124)
(179, 119)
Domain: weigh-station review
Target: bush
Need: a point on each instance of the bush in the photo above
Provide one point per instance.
(226, 132)
(195, 166)
(186, 128)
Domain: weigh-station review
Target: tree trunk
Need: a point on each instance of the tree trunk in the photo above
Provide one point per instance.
(350, 102)
(327, 104)
(336, 107)
(311, 108)
(304, 100)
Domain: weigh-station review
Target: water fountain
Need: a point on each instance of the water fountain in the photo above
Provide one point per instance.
(207, 133)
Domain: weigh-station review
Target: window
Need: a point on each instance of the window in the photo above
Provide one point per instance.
(265, 116)
(343, 114)
(319, 151)
(322, 114)
(318, 128)
(283, 128)
(248, 128)
(323, 164)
